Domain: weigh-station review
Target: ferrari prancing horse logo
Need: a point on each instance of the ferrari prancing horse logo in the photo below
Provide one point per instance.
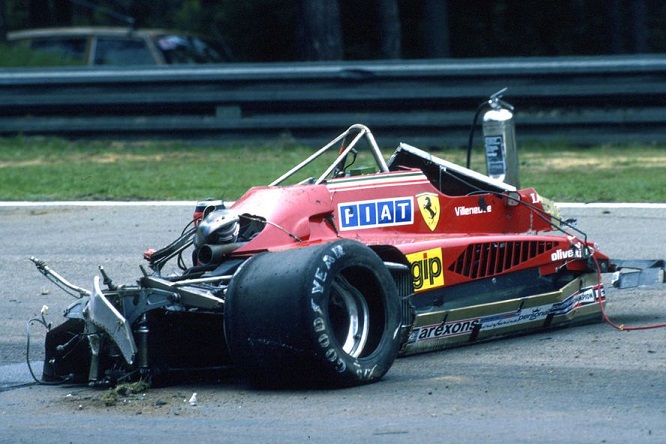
(429, 206)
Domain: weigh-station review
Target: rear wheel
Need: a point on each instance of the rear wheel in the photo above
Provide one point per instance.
(324, 315)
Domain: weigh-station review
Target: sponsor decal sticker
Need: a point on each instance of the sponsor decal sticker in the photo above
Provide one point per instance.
(376, 213)
(470, 211)
(443, 330)
(495, 155)
(429, 206)
(575, 252)
(427, 270)
(581, 298)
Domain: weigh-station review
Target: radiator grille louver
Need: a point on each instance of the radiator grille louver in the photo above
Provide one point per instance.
(492, 258)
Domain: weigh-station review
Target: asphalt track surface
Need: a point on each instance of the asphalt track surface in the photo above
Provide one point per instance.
(589, 384)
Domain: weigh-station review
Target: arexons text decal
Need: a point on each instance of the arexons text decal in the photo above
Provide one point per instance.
(443, 330)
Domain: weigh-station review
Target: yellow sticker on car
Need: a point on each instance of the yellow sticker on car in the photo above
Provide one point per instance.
(426, 268)
(429, 206)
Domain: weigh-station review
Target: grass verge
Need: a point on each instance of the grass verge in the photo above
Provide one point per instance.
(46, 169)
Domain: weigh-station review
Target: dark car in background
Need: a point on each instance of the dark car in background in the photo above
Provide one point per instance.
(122, 46)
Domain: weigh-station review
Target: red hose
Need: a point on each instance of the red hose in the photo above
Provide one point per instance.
(605, 315)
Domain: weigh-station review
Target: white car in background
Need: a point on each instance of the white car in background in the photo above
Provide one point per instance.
(122, 46)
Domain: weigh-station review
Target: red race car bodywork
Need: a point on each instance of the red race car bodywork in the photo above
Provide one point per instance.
(327, 280)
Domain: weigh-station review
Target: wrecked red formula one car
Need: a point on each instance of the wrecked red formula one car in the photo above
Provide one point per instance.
(325, 280)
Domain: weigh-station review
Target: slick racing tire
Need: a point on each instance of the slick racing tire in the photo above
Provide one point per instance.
(326, 315)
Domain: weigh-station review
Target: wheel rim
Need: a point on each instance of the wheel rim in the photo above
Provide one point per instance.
(349, 316)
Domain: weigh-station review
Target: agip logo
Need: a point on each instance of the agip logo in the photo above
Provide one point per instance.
(427, 270)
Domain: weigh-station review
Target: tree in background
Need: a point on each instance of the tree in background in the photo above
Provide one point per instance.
(390, 37)
(627, 26)
(283, 30)
(43, 13)
(318, 32)
(3, 21)
(436, 28)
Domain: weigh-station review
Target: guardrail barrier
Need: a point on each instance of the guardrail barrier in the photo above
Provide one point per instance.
(582, 100)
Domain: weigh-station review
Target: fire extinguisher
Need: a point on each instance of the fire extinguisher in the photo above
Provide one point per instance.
(499, 137)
